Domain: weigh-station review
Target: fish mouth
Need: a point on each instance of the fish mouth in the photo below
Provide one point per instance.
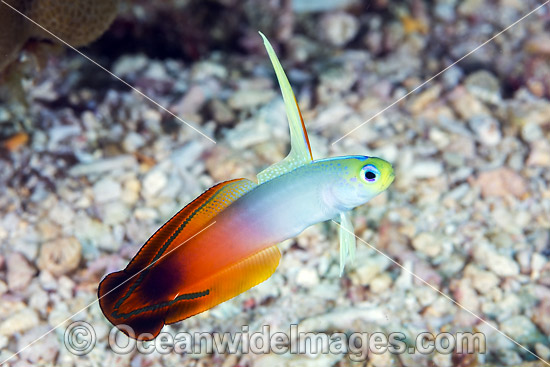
(389, 180)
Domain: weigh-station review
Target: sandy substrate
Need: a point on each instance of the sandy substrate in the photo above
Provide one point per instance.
(90, 170)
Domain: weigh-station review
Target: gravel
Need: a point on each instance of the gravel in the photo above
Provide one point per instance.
(90, 170)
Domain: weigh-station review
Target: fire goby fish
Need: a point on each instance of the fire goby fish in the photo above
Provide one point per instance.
(225, 241)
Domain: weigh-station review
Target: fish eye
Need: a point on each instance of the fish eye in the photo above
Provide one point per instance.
(370, 173)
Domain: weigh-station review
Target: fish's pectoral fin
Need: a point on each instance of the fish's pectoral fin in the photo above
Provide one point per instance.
(300, 149)
(227, 284)
(347, 241)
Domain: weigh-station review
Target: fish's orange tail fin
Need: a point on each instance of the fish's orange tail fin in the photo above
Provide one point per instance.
(141, 295)
(111, 291)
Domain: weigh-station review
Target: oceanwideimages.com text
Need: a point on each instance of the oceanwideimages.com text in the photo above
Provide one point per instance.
(357, 345)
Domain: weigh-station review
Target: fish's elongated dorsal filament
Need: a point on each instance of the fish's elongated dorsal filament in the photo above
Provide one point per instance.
(300, 149)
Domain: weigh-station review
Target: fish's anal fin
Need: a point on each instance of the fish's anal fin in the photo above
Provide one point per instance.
(347, 241)
(146, 322)
(300, 149)
(188, 221)
(227, 284)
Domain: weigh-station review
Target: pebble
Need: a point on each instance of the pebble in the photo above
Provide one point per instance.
(66, 287)
(60, 256)
(368, 270)
(424, 169)
(302, 360)
(539, 44)
(59, 133)
(484, 85)
(45, 345)
(428, 244)
(509, 222)
(221, 113)
(538, 262)
(103, 165)
(248, 133)
(541, 316)
(483, 281)
(152, 119)
(439, 137)
(452, 77)
(154, 181)
(156, 70)
(421, 101)
(464, 293)
(543, 351)
(191, 103)
(247, 99)
(48, 230)
(381, 283)
(338, 28)
(501, 265)
(466, 105)
(129, 64)
(130, 191)
(531, 132)
(534, 112)
(539, 154)
(307, 277)
(522, 330)
(378, 359)
(145, 214)
(106, 190)
(511, 357)
(115, 213)
(39, 300)
(20, 321)
(501, 182)
(207, 69)
(20, 272)
(487, 130)
(47, 280)
(132, 142)
(307, 6)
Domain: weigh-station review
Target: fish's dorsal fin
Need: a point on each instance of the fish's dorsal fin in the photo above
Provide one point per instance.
(347, 241)
(300, 149)
(188, 221)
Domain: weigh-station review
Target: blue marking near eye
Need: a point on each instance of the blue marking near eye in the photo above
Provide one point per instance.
(359, 157)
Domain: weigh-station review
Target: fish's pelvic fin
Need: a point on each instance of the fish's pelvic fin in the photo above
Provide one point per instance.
(300, 149)
(347, 241)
